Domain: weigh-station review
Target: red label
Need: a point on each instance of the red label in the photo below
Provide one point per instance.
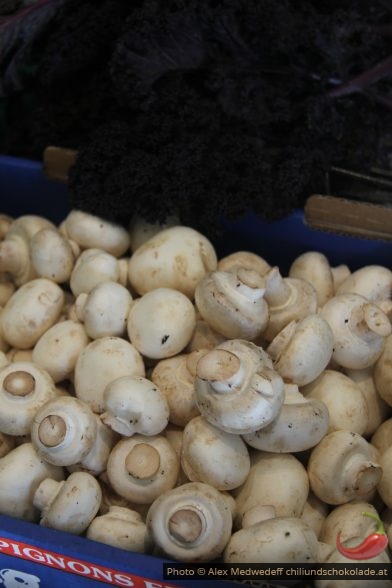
(77, 566)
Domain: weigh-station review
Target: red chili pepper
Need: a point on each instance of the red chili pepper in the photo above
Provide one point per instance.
(370, 547)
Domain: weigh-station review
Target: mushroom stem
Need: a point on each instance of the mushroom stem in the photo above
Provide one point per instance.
(365, 475)
(19, 383)
(222, 369)
(185, 525)
(47, 491)
(277, 290)
(143, 461)
(250, 284)
(371, 323)
(52, 430)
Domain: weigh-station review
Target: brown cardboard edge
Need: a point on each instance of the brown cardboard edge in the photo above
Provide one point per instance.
(57, 162)
(347, 217)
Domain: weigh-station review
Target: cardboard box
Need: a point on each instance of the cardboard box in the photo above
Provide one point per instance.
(46, 558)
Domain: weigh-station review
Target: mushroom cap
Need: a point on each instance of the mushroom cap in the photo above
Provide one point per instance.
(31, 310)
(190, 523)
(74, 505)
(212, 456)
(344, 467)
(177, 257)
(100, 362)
(91, 231)
(374, 282)
(24, 388)
(52, 255)
(383, 372)
(300, 425)
(343, 397)
(58, 349)
(277, 540)
(93, 267)
(64, 431)
(121, 527)
(104, 311)
(236, 387)
(173, 376)
(233, 303)
(314, 267)
(161, 323)
(359, 328)
(141, 468)
(135, 405)
(288, 299)
(302, 355)
(243, 259)
(21, 472)
(263, 486)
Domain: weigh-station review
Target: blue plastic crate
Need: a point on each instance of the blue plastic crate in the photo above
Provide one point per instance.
(46, 558)
(25, 189)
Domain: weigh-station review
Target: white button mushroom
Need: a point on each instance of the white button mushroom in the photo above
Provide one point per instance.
(382, 437)
(302, 350)
(314, 513)
(373, 282)
(212, 456)
(96, 460)
(64, 430)
(301, 424)
(191, 523)
(95, 266)
(378, 410)
(70, 505)
(335, 557)
(100, 362)
(104, 310)
(7, 443)
(348, 520)
(24, 388)
(383, 372)
(7, 288)
(204, 336)
(177, 258)
(91, 231)
(175, 376)
(385, 484)
(233, 303)
(58, 349)
(160, 324)
(21, 472)
(4, 347)
(243, 259)
(141, 468)
(343, 467)
(315, 268)
(52, 255)
(277, 540)
(15, 247)
(359, 327)
(30, 311)
(343, 397)
(278, 480)
(121, 527)
(288, 299)
(237, 389)
(141, 230)
(135, 405)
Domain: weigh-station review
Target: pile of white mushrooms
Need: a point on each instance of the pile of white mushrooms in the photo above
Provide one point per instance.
(161, 400)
